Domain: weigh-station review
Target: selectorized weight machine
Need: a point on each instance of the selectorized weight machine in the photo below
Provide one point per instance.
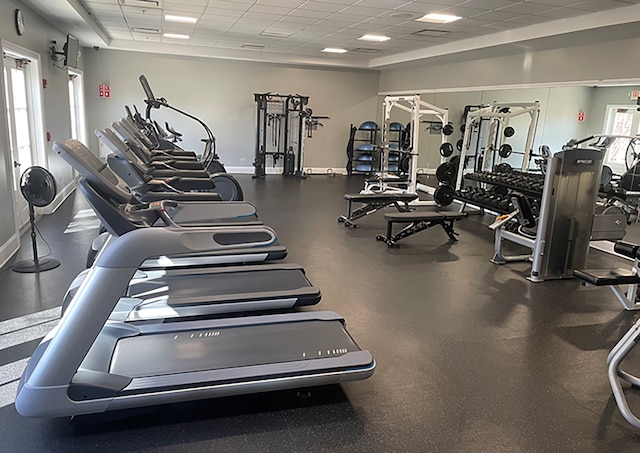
(283, 122)
(559, 237)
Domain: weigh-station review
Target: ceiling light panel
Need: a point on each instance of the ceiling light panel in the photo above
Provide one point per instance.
(176, 36)
(374, 38)
(180, 19)
(334, 50)
(436, 18)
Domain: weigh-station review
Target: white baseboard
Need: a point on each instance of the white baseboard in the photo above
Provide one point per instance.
(330, 171)
(8, 249)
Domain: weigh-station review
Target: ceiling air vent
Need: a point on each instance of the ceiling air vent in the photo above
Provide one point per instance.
(252, 47)
(275, 34)
(365, 50)
(149, 4)
(430, 32)
(149, 31)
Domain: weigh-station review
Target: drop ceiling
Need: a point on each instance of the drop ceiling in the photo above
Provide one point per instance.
(296, 31)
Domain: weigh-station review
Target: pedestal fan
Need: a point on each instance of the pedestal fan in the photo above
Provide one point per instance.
(38, 187)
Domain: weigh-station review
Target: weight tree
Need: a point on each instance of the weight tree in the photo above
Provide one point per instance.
(282, 120)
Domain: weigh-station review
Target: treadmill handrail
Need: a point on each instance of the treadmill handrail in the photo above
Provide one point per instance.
(131, 249)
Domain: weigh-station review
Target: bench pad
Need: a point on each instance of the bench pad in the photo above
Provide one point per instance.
(390, 197)
(424, 216)
(607, 277)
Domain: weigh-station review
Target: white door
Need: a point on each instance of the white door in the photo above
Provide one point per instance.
(20, 130)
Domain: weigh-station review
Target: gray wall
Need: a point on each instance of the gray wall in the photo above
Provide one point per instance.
(600, 61)
(37, 38)
(220, 92)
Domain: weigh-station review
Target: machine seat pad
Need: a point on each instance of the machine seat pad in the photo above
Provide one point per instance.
(607, 277)
(390, 197)
(422, 216)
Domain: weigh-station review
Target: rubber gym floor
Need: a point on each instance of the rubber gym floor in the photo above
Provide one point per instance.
(471, 357)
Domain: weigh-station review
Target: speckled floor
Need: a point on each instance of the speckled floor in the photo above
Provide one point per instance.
(472, 357)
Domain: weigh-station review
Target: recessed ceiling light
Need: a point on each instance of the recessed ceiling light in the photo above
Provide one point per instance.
(376, 38)
(438, 18)
(175, 36)
(183, 19)
(334, 50)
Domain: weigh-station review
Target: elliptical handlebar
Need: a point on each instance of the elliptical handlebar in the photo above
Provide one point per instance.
(155, 103)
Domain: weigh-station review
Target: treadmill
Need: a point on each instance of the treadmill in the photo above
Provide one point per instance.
(205, 291)
(97, 359)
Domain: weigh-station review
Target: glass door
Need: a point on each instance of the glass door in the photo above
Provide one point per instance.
(20, 130)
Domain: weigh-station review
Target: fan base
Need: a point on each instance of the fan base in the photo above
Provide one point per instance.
(30, 266)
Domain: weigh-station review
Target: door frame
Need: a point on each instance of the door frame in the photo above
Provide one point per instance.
(35, 99)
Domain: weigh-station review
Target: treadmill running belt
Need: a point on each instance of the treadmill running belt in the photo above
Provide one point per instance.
(184, 288)
(199, 350)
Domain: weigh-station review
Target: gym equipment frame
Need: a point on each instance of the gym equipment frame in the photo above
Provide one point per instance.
(389, 183)
(500, 115)
(283, 122)
(616, 277)
(564, 227)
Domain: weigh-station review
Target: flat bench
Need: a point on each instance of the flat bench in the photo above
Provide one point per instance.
(419, 221)
(373, 202)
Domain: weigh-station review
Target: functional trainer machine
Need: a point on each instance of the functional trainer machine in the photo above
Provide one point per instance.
(283, 122)
(97, 360)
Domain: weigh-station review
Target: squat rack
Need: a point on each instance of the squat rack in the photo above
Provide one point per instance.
(417, 108)
(499, 115)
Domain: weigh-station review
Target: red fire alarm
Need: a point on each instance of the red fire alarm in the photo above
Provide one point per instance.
(580, 117)
(105, 91)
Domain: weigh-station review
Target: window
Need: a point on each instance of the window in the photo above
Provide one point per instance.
(620, 120)
(76, 105)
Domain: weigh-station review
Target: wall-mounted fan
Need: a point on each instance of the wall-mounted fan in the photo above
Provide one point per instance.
(38, 187)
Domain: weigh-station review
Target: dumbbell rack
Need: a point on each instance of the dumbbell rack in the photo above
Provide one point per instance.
(497, 197)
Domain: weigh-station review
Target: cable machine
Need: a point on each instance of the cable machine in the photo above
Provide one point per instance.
(283, 120)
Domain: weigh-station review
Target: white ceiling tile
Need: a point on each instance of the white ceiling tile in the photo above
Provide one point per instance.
(287, 3)
(146, 37)
(322, 6)
(494, 16)
(525, 8)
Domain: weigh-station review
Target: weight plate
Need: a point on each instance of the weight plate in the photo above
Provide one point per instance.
(446, 172)
(503, 168)
(455, 160)
(459, 144)
(509, 131)
(606, 175)
(505, 150)
(448, 129)
(446, 149)
(443, 195)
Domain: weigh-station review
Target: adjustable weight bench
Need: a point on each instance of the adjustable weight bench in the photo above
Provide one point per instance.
(419, 221)
(373, 202)
(614, 278)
